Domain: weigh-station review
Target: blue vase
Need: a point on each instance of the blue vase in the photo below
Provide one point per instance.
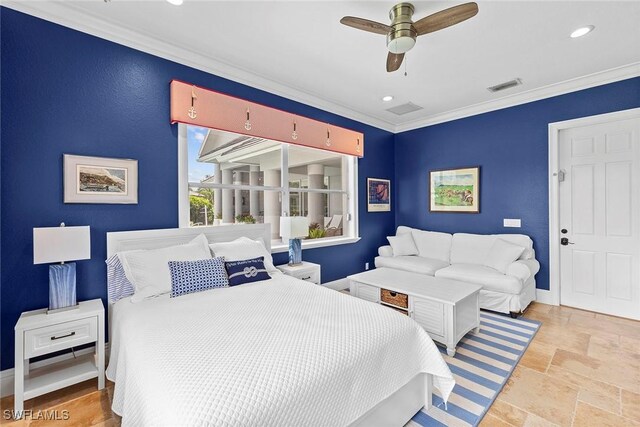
(62, 285)
(295, 251)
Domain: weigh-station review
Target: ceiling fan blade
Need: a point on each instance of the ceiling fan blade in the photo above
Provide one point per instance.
(394, 61)
(365, 25)
(446, 18)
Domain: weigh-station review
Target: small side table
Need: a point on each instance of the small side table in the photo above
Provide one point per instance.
(38, 333)
(306, 271)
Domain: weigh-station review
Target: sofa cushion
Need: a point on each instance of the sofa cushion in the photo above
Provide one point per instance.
(470, 248)
(501, 254)
(413, 264)
(487, 277)
(402, 245)
(474, 248)
(432, 244)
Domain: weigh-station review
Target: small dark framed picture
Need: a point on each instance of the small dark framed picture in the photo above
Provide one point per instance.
(378, 195)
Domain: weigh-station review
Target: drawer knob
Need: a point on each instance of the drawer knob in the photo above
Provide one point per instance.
(70, 334)
(306, 278)
(393, 294)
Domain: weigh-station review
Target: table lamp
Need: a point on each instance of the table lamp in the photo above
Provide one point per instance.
(61, 244)
(292, 228)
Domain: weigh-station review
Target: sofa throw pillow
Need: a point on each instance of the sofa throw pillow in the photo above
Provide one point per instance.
(403, 245)
(501, 254)
(246, 271)
(188, 277)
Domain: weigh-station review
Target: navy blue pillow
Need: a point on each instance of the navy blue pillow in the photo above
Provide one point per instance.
(246, 271)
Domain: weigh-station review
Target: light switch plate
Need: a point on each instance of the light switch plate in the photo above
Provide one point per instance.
(511, 222)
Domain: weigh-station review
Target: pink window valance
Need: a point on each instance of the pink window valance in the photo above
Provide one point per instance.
(194, 105)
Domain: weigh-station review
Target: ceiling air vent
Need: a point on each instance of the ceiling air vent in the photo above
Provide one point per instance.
(409, 107)
(505, 85)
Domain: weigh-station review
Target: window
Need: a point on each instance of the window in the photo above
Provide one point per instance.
(227, 178)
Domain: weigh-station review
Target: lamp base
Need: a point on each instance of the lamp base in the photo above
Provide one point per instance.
(62, 286)
(295, 252)
(63, 309)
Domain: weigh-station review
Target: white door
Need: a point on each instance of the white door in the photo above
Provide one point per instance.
(600, 218)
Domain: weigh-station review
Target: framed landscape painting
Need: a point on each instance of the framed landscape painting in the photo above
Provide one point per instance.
(378, 195)
(455, 190)
(100, 180)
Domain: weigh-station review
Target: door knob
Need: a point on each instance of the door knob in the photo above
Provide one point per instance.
(565, 241)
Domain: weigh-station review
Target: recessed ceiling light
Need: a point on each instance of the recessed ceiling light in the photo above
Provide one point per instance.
(175, 2)
(387, 98)
(582, 31)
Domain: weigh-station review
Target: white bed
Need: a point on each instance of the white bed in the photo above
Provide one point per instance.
(273, 353)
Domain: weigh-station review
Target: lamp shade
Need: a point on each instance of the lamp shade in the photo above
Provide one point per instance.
(294, 227)
(60, 244)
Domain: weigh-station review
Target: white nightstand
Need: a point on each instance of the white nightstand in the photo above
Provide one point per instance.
(306, 271)
(39, 334)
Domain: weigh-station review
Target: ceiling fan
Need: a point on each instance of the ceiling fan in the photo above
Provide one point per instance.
(402, 33)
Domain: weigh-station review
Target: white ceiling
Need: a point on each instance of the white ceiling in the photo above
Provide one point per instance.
(300, 50)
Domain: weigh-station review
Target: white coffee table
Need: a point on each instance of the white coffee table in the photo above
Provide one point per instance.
(446, 309)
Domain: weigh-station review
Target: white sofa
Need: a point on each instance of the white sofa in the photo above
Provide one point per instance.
(463, 257)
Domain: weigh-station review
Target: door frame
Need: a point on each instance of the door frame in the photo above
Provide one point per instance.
(552, 296)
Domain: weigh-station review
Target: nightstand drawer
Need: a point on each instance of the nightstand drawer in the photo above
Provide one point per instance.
(308, 275)
(59, 337)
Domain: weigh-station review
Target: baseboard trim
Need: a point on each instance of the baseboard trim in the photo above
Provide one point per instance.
(545, 296)
(338, 285)
(7, 376)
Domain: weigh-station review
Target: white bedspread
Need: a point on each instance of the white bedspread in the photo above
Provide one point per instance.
(276, 353)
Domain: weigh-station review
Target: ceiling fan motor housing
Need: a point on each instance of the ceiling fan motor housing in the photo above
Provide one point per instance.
(403, 35)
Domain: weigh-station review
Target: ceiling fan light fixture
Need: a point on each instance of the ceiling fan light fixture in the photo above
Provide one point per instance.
(582, 31)
(387, 98)
(176, 2)
(403, 30)
(401, 44)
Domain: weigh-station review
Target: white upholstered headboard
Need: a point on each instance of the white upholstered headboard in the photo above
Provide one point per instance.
(154, 239)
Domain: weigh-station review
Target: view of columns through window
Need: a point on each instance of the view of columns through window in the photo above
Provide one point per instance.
(243, 179)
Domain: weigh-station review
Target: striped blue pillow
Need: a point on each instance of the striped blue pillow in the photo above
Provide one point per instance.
(194, 276)
(246, 271)
(118, 286)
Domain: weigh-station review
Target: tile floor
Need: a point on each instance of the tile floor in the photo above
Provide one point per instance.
(581, 369)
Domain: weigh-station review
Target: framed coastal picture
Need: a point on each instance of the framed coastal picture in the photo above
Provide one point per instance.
(100, 180)
(378, 195)
(455, 190)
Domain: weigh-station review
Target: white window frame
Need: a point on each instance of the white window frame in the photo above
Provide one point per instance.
(349, 183)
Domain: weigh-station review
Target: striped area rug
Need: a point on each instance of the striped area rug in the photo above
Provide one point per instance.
(481, 367)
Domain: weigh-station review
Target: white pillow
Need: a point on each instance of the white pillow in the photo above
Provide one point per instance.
(403, 244)
(244, 248)
(501, 254)
(148, 270)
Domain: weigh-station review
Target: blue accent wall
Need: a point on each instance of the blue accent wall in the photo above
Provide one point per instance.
(511, 148)
(68, 92)
(64, 91)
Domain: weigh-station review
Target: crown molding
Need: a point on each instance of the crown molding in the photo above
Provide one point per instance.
(555, 89)
(67, 16)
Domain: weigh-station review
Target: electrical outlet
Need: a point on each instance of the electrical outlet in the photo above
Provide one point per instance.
(366, 265)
